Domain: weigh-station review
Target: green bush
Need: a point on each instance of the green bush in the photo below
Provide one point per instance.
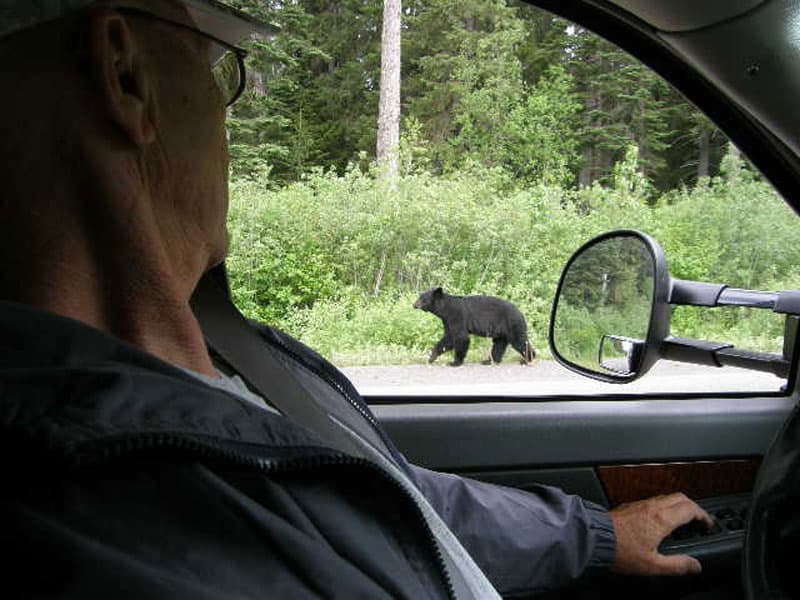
(337, 260)
(737, 231)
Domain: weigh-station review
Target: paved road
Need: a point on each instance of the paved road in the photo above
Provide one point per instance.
(547, 378)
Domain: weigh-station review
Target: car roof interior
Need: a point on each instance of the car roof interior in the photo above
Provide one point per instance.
(686, 15)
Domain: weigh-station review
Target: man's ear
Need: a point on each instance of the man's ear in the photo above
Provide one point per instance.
(119, 75)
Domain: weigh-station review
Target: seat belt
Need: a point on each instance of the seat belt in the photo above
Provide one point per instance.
(241, 346)
(229, 334)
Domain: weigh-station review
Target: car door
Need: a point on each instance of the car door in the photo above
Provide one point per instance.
(700, 430)
(613, 444)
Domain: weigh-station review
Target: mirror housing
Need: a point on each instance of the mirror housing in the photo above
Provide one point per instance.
(611, 311)
(611, 314)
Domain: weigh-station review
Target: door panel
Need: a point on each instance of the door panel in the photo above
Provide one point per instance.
(582, 481)
(612, 485)
(698, 480)
(501, 436)
(609, 452)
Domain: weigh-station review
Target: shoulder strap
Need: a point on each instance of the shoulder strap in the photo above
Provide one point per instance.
(229, 334)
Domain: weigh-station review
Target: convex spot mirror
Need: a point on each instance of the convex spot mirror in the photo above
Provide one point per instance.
(610, 307)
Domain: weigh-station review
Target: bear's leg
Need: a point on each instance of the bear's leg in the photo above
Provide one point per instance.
(443, 345)
(499, 346)
(460, 347)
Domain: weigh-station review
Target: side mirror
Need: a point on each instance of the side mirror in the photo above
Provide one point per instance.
(611, 315)
(611, 309)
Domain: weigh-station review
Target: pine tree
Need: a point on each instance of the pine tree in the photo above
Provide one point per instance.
(388, 147)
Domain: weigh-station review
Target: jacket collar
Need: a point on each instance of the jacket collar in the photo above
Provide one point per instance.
(64, 383)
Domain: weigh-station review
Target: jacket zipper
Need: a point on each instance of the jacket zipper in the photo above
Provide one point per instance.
(275, 339)
(104, 451)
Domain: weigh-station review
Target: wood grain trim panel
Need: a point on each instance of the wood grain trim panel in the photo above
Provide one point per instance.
(701, 479)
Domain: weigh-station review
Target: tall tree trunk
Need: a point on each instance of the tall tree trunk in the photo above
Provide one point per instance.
(388, 149)
(256, 81)
(587, 167)
(703, 152)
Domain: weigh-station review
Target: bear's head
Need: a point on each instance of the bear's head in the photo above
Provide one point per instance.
(427, 300)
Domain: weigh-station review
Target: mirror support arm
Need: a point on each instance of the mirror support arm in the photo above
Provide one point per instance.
(748, 298)
(699, 352)
(756, 361)
(716, 354)
(696, 293)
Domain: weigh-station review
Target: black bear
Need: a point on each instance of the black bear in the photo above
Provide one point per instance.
(486, 316)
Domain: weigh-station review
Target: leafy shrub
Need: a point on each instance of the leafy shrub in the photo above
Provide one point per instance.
(338, 259)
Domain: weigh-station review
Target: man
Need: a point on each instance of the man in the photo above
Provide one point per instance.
(131, 466)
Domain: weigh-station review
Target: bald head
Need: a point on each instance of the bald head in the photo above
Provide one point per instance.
(113, 150)
(113, 168)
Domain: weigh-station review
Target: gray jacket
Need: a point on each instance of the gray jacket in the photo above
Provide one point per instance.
(101, 411)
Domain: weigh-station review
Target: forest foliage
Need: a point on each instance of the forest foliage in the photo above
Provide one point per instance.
(522, 137)
(496, 82)
(338, 260)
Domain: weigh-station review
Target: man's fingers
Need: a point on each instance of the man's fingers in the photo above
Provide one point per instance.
(678, 564)
(680, 510)
(640, 527)
(684, 513)
(706, 518)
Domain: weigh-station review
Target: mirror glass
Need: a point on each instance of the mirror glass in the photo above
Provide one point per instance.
(604, 305)
(620, 354)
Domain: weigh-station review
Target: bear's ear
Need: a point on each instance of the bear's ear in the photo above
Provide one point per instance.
(438, 292)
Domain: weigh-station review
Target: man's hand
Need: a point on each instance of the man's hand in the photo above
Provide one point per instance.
(641, 526)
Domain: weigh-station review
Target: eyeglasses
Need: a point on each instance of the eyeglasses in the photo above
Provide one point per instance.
(226, 60)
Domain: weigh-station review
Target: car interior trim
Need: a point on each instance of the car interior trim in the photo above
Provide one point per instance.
(583, 432)
(686, 15)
